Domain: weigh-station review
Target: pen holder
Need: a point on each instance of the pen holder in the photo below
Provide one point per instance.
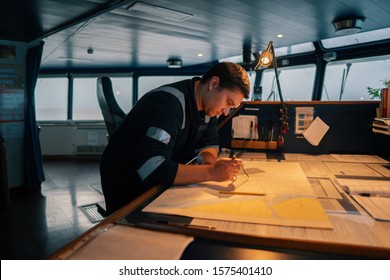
(254, 144)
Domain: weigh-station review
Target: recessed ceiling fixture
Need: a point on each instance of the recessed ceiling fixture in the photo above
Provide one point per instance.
(174, 63)
(148, 9)
(348, 25)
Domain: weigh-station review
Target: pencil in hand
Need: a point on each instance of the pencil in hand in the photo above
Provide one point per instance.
(234, 157)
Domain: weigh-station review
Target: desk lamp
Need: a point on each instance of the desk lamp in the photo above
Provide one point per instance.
(267, 58)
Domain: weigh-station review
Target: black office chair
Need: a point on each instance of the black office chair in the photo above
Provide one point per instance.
(113, 114)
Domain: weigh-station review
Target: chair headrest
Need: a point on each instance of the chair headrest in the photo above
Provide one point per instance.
(107, 93)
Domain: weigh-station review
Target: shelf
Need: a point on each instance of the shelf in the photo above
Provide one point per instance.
(254, 144)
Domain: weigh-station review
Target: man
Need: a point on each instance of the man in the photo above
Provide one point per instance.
(165, 129)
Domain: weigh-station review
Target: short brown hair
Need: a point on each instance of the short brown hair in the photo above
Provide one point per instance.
(231, 75)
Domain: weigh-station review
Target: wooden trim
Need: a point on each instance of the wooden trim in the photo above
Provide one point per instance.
(275, 243)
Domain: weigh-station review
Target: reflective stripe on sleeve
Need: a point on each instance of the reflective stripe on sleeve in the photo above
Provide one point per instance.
(158, 134)
(179, 95)
(149, 166)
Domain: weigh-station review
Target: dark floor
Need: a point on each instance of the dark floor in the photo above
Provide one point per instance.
(38, 224)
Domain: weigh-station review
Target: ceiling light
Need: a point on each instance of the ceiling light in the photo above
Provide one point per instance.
(143, 8)
(174, 63)
(279, 36)
(348, 25)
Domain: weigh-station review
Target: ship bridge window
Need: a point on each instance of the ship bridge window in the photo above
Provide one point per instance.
(296, 83)
(295, 49)
(350, 80)
(85, 103)
(51, 99)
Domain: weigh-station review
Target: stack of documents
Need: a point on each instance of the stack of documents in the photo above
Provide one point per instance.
(381, 125)
(372, 195)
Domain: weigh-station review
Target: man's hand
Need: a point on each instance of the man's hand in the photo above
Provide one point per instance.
(222, 170)
(226, 169)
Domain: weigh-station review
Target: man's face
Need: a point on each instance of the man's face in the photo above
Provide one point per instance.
(219, 101)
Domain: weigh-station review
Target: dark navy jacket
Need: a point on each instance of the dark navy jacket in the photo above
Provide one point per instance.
(164, 128)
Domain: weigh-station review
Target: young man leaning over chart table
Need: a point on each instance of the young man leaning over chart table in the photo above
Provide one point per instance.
(167, 128)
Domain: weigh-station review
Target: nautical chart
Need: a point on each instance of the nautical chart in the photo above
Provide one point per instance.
(276, 193)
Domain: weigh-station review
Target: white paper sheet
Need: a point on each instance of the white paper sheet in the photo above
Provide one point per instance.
(360, 186)
(129, 243)
(377, 207)
(316, 131)
(358, 158)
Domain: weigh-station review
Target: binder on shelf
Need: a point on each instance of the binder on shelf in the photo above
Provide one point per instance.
(385, 103)
(388, 99)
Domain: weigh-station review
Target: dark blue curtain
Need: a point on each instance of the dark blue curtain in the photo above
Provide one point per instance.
(33, 165)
